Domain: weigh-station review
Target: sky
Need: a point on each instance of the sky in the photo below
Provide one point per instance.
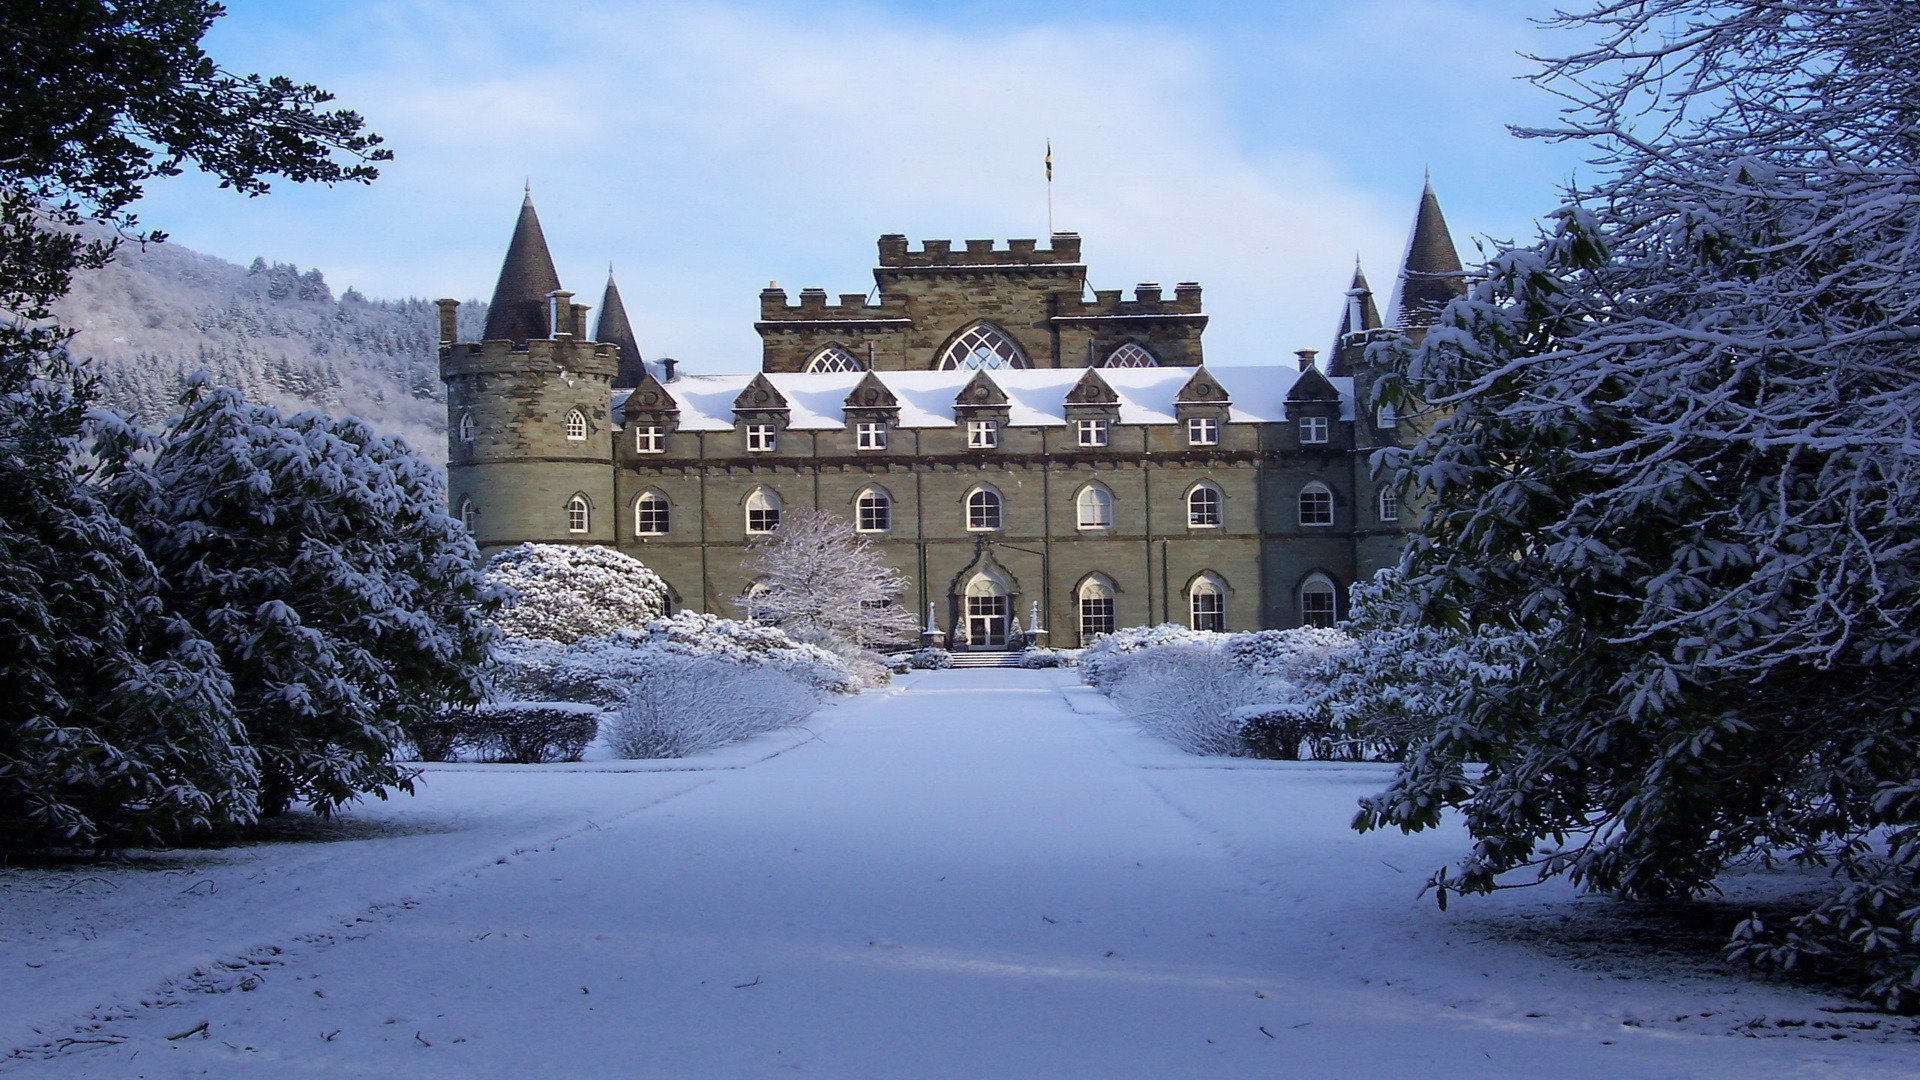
(705, 149)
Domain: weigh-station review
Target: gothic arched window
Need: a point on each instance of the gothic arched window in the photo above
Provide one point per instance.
(1093, 507)
(1207, 603)
(469, 514)
(652, 514)
(466, 427)
(576, 426)
(1389, 504)
(983, 346)
(834, 358)
(1096, 608)
(1317, 601)
(579, 514)
(1131, 355)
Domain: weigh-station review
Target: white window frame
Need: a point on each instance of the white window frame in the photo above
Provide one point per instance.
(1385, 417)
(833, 358)
(644, 506)
(983, 347)
(983, 434)
(768, 504)
(1098, 498)
(649, 439)
(579, 514)
(1091, 431)
(762, 438)
(1219, 501)
(1316, 586)
(881, 503)
(1388, 503)
(1132, 354)
(870, 435)
(1314, 431)
(576, 426)
(1210, 588)
(1203, 431)
(469, 514)
(1321, 497)
(989, 498)
(1095, 604)
(466, 426)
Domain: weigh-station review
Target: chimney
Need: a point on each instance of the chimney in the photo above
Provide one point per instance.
(559, 313)
(667, 364)
(1306, 358)
(578, 327)
(449, 320)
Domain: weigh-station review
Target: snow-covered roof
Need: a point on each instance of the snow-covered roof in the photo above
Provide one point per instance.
(1035, 398)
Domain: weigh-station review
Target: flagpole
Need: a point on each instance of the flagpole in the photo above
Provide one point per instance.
(1049, 191)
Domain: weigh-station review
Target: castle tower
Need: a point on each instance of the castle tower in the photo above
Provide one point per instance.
(614, 329)
(1430, 275)
(529, 416)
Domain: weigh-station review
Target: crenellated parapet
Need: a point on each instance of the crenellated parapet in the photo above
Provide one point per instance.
(813, 306)
(895, 254)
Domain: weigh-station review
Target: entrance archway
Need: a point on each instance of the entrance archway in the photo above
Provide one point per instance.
(987, 608)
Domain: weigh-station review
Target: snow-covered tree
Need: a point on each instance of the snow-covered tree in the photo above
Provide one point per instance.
(318, 559)
(563, 592)
(816, 573)
(1679, 446)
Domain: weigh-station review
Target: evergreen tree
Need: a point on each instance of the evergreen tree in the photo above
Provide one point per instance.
(1678, 448)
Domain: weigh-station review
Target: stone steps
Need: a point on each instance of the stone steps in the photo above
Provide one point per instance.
(986, 660)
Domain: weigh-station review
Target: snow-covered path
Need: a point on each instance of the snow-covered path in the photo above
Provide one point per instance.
(979, 874)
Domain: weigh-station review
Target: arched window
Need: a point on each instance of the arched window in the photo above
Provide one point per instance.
(1207, 603)
(469, 514)
(1131, 355)
(982, 347)
(1094, 507)
(1316, 505)
(1389, 504)
(576, 426)
(1317, 601)
(466, 427)
(579, 514)
(652, 514)
(834, 358)
(763, 511)
(1204, 507)
(1096, 608)
(983, 510)
(873, 510)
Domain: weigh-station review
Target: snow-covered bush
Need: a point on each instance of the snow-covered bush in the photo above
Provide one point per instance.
(1104, 663)
(678, 704)
(750, 644)
(1047, 658)
(1277, 731)
(564, 592)
(1189, 694)
(319, 561)
(528, 732)
(928, 659)
(1296, 655)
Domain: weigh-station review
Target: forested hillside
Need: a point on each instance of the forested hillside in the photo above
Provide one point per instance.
(154, 316)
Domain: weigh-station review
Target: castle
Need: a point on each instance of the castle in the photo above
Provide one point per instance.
(1018, 447)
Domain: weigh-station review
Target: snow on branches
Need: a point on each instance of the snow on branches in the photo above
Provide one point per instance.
(564, 592)
(815, 573)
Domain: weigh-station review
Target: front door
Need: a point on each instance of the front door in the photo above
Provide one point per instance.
(987, 622)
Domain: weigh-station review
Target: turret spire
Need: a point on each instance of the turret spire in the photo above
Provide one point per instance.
(614, 329)
(1358, 316)
(1430, 274)
(519, 309)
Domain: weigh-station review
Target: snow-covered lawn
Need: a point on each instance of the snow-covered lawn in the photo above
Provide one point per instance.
(974, 873)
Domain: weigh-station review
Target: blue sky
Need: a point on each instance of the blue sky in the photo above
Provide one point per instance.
(706, 149)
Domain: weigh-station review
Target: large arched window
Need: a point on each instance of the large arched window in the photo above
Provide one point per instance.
(1093, 506)
(1317, 601)
(466, 427)
(834, 358)
(1096, 608)
(1204, 506)
(1316, 505)
(983, 510)
(989, 612)
(1131, 355)
(1207, 603)
(576, 426)
(982, 346)
(469, 514)
(652, 514)
(579, 514)
(1389, 503)
(763, 510)
(873, 510)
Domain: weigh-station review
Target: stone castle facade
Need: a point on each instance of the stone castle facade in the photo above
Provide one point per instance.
(1018, 446)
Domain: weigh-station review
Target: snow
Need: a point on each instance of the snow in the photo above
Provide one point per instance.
(1035, 398)
(972, 873)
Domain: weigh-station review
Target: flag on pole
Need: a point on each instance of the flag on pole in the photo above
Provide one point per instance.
(1049, 161)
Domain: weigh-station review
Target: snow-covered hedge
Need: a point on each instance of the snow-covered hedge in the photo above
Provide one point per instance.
(1104, 662)
(1187, 693)
(564, 592)
(1049, 658)
(926, 659)
(750, 644)
(678, 704)
(533, 731)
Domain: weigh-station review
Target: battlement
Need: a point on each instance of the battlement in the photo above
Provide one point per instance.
(933, 254)
(584, 359)
(1149, 301)
(814, 307)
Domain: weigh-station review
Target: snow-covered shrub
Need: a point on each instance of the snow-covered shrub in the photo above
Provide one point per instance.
(1295, 655)
(1189, 694)
(929, 659)
(318, 559)
(439, 738)
(869, 668)
(528, 732)
(1045, 658)
(711, 637)
(1277, 731)
(565, 592)
(678, 704)
(1104, 663)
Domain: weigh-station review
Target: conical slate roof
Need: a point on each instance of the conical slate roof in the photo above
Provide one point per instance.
(1430, 274)
(614, 329)
(519, 308)
(1347, 354)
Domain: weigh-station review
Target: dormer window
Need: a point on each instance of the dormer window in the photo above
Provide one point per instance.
(1313, 429)
(576, 426)
(1203, 431)
(871, 435)
(982, 434)
(649, 439)
(761, 438)
(1091, 432)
